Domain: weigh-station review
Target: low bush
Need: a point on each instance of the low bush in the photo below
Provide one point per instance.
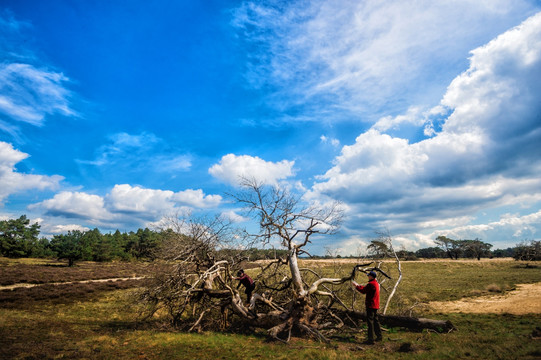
(494, 288)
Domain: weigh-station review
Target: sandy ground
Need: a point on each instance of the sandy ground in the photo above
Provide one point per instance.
(25, 285)
(526, 299)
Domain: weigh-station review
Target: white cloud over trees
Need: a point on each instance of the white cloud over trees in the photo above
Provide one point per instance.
(441, 138)
(150, 202)
(233, 168)
(13, 181)
(125, 204)
(486, 154)
(70, 204)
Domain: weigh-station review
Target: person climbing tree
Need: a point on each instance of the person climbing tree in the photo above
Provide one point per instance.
(248, 283)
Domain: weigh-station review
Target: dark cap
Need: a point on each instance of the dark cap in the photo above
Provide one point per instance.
(372, 273)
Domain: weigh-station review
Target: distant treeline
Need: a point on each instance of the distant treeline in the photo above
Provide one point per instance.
(453, 249)
(19, 238)
(428, 253)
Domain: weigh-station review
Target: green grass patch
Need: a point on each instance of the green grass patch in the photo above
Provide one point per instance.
(442, 280)
(107, 328)
(452, 280)
(103, 324)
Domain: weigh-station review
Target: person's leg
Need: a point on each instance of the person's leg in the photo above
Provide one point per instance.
(249, 291)
(370, 323)
(377, 328)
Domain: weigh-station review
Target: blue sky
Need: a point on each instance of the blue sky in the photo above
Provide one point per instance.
(423, 118)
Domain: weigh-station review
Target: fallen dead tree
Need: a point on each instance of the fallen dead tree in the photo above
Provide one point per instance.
(411, 323)
(199, 292)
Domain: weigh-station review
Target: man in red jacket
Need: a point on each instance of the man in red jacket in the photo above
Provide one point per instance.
(372, 305)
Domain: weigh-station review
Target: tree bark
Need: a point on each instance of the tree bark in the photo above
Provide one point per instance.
(295, 273)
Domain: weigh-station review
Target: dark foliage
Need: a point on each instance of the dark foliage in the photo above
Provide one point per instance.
(17, 237)
(528, 251)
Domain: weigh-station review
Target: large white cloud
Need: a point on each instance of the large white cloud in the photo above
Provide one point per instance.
(335, 56)
(233, 168)
(12, 181)
(134, 199)
(127, 199)
(125, 205)
(486, 153)
(75, 205)
(197, 198)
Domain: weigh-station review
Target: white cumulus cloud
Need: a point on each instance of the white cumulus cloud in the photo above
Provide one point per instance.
(486, 153)
(357, 57)
(197, 198)
(509, 227)
(12, 181)
(234, 216)
(75, 205)
(135, 199)
(232, 169)
(125, 205)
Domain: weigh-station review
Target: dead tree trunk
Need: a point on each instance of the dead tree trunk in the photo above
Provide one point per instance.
(200, 291)
(411, 323)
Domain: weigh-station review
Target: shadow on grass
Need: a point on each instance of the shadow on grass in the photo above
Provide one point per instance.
(124, 325)
(526, 266)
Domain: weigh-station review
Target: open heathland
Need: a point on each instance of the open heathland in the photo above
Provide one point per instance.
(44, 271)
(100, 320)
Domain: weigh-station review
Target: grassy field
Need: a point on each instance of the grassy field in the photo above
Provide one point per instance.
(99, 321)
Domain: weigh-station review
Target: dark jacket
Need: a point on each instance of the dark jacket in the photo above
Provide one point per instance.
(246, 281)
(372, 294)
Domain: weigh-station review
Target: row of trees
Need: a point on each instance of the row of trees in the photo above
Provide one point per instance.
(93, 246)
(445, 248)
(449, 248)
(19, 238)
(454, 249)
(463, 248)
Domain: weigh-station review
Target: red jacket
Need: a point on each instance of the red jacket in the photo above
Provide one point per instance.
(372, 294)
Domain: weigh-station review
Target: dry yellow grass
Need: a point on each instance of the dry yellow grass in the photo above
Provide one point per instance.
(524, 300)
